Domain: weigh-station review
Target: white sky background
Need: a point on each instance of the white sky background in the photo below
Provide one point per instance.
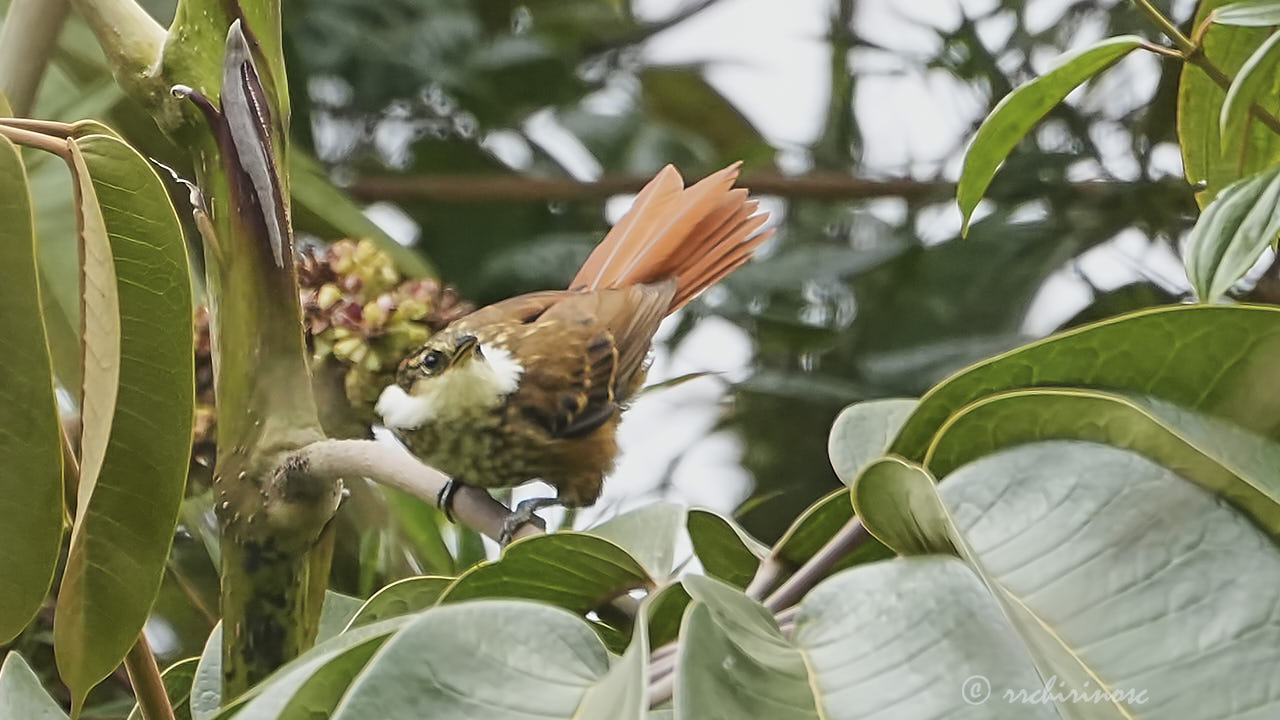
(771, 59)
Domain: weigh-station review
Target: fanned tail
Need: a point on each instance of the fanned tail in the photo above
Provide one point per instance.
(695, 235)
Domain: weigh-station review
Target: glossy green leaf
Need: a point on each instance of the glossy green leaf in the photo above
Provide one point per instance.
(575, 571)
(665, 611)
(30, 434)
(1232, 233)
(1255, 78)
(337, 612)
(726, 551)
(889, 639)
(22, 697)
(401, 598)
(337, 615)
(863, 432)
(127, 511)
(177, 686)
(727, 638)
(1209, 160)
(894, 482)
(648, 534)
(1216, 455)
(1206, 358)
(1113, 571)
(1252, 13)
(496, 659)
(623, 693)
(312, 684)
(1018, 112)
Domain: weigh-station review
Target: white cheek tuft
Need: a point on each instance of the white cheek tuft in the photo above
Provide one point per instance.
(402, 411)
(477, 385)
(505, 369)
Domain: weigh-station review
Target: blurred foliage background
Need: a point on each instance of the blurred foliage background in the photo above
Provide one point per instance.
(498, 139)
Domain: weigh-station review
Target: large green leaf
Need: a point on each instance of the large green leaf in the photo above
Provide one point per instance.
(337, 615)
(1212, 359)
(576, 571)
(902, 638)
(1251, 13)
(623, 694)
(727, 638)
(1021, 109)
(1119, 576)
(312, 684)
(648, 534)
(402, 597)
(1232, 233)
(30, 436)
(22, 697)
(1255, 78)
(135, 458)
(496, 659)
(863, 432)
(1220, 457)
(726, 551)
(1208, 160)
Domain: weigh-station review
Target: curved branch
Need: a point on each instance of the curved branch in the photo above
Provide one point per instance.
(393, 466)
(840, 545)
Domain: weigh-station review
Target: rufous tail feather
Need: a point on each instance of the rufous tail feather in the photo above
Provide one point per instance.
(696, 235)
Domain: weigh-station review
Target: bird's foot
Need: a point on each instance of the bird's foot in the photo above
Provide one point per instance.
(523, 515)
(444, 498)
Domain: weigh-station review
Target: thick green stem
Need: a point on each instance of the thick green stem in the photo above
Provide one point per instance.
(275, 549)
(132, 41)
(265, 597)
(30, 32)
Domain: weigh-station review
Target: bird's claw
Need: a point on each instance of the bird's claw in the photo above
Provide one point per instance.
(524, 515)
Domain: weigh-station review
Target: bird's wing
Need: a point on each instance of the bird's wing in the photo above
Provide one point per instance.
(581, 355)
(629, 316)
(519, 309)
(566, 390)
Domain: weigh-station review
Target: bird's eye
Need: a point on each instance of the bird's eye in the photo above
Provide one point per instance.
(433, 361)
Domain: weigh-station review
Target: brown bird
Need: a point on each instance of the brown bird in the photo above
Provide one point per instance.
(532, 387)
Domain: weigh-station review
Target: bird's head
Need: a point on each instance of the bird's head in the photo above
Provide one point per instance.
(453, 374)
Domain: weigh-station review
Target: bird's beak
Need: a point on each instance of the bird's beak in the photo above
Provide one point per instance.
(468, 347)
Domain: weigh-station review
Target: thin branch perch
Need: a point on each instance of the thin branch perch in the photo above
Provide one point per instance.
(392, 466)
(837, 548)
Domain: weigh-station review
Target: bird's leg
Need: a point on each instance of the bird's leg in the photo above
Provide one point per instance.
(523, 514)
(444, 498)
